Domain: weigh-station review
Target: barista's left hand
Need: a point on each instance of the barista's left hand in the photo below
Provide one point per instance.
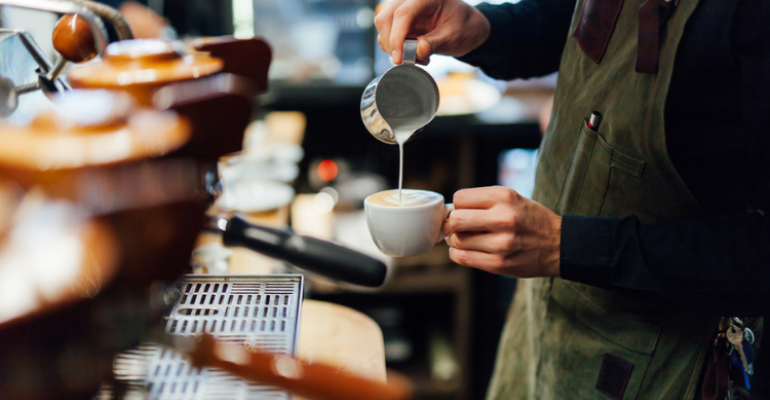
(499, 231)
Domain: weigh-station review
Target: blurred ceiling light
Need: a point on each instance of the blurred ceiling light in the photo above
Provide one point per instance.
(365, 18)
(243, 19)
(332, 192)
(327, 170)
(323, 202)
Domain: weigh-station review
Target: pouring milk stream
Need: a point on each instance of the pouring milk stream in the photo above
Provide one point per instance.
(403, 130)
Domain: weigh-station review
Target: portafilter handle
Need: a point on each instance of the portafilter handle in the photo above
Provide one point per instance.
(315, 255)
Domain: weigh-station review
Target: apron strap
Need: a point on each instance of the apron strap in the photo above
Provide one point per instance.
(716, 380)
(652, 16)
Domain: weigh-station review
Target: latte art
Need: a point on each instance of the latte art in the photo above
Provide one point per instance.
(409, 198)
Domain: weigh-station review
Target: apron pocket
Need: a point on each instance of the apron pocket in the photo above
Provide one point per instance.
(589, 353)
(595, 165)
(623, 186)
(597, 21)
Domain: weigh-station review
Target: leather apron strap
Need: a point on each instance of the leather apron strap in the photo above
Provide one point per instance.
(652, 17)
(716, 379)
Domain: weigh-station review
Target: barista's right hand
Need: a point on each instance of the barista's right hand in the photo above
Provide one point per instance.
(449, 27)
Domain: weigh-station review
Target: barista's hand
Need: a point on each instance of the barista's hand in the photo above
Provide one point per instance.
(497, 230)
(449, 27)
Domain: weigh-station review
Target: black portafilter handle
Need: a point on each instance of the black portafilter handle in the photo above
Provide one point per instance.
(315, 255)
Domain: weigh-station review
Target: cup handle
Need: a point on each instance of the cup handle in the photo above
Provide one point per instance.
(448, 208)
(410, 52)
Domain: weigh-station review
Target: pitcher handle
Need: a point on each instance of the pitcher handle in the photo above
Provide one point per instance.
(410, 52)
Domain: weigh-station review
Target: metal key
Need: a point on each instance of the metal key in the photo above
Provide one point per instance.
(749, 334)
(735, 336)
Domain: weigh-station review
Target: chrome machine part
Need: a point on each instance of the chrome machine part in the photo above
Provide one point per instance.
(110, 14)
(24, 67)
(260, 311)
(66, 7)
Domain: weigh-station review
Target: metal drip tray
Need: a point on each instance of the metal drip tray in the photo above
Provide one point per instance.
(260, 311)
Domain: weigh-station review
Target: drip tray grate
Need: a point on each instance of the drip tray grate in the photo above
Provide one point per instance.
(260, 311)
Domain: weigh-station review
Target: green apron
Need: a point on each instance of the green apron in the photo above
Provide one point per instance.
(558, 332)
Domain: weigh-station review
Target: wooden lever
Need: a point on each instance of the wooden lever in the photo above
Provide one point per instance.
(73, 39)
(314, 381)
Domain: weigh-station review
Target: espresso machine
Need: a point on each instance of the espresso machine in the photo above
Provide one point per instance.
(106, 173)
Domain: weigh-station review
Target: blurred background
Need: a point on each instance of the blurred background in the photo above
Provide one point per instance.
(440, 321)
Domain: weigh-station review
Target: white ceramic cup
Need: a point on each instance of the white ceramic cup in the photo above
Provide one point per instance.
(410, 230)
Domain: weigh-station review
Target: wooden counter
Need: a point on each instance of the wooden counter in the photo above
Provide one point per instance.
(340, 336)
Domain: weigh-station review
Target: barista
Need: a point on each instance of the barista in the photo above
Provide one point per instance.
(647, 226)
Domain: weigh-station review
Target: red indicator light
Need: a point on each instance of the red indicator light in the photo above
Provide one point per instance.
(327, 170)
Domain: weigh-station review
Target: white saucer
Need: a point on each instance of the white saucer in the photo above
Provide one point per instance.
(247, 169)
(254, 195)
(238, 166)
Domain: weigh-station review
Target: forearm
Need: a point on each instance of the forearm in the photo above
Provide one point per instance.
(720, 264)
(526, 38)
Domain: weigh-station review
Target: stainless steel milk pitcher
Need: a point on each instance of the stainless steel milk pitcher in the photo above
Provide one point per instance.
(405, 92)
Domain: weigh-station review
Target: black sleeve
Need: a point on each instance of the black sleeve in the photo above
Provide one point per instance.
(750, 42)
(526, 40)
(721, 263)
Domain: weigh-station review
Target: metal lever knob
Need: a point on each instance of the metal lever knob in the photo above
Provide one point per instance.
(74, 39)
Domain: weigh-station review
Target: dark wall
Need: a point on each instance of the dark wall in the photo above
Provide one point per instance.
(199, 17)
